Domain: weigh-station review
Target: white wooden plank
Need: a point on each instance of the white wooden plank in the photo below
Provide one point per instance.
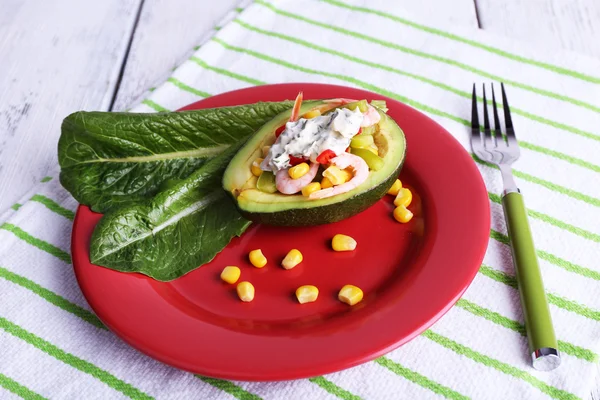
(572, 25)
(57, 57)
(166, 33)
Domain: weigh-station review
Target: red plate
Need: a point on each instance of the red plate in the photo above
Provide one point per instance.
(411, 274)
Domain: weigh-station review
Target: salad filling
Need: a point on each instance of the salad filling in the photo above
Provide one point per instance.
(309, 138)
(331, 141)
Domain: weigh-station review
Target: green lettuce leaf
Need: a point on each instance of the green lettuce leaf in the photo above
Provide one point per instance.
(180, 229)
(109, 160)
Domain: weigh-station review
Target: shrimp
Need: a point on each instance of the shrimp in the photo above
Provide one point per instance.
(371, 117)
(343, 161)
(287, 185)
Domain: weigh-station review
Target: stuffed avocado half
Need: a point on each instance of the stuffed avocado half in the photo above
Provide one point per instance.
(320, 162)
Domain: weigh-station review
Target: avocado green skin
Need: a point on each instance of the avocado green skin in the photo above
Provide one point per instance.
(328, 213)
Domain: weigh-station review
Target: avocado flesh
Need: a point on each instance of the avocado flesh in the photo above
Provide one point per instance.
(298, 210)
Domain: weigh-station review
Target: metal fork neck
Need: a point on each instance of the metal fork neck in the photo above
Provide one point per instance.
(510, 185)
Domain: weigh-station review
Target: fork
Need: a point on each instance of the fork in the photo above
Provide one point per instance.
(503, 151)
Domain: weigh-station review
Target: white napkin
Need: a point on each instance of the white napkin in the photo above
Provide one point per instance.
(53, 346)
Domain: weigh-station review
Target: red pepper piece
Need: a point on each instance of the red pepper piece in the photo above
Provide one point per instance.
(359, 131)
(279, 131)
(296, 160)
(325, 157)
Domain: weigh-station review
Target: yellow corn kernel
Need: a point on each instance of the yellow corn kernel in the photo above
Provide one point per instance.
(312, 114)
(350, 294)
(293, 258)
(257, 258)
(307, 294)
(403, 198)
(310, 188)
(402, 214)
(256, 171)
(245, 291)
(298, 171)
(326, 183)
(395, 188)
(231, 274)
(265, 150)
(347, 175)
(337, 176)
(343, 243)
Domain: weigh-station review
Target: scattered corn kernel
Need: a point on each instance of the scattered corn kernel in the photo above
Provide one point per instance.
(230, 274)
(403, 198)
(337, 176)
(310, 188)
(307, 294)
(265, 150)
(298, 171)
(312, 114)
(245, 291)
(256, 171)
(350, 294)
(326, 183)
(402, 214)
(257, 258)
(293, 258)
(395, 188)
(343, 243)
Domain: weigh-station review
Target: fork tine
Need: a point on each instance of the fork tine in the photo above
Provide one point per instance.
(474, 114)
(497, 127)
(487, 136)
(510, 132)
(476, 142)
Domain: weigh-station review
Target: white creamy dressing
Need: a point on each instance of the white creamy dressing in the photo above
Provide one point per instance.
(308, 138)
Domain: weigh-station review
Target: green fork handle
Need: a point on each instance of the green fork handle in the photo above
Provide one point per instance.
(538, 323)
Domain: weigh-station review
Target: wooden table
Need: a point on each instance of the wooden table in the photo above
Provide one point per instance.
(60, 56)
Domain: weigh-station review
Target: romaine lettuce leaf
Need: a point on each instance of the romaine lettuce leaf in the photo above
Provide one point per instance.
(110, 159)
(180, 229)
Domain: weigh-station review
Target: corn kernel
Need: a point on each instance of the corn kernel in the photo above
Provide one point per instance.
(337, 176)
(230, 274)
(256, 171)
(402, 214)
(312, 114)
(265, 150)
(326, 183)
(403, 198)
(245, 291)
(257, 258)
(350, 294)
(395, 188)
(293, 258)
(298, 171)
(310, 188)
(347, 175)
(343, 243)
(307, 294)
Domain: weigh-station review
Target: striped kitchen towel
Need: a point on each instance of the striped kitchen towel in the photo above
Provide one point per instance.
(53, 345)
